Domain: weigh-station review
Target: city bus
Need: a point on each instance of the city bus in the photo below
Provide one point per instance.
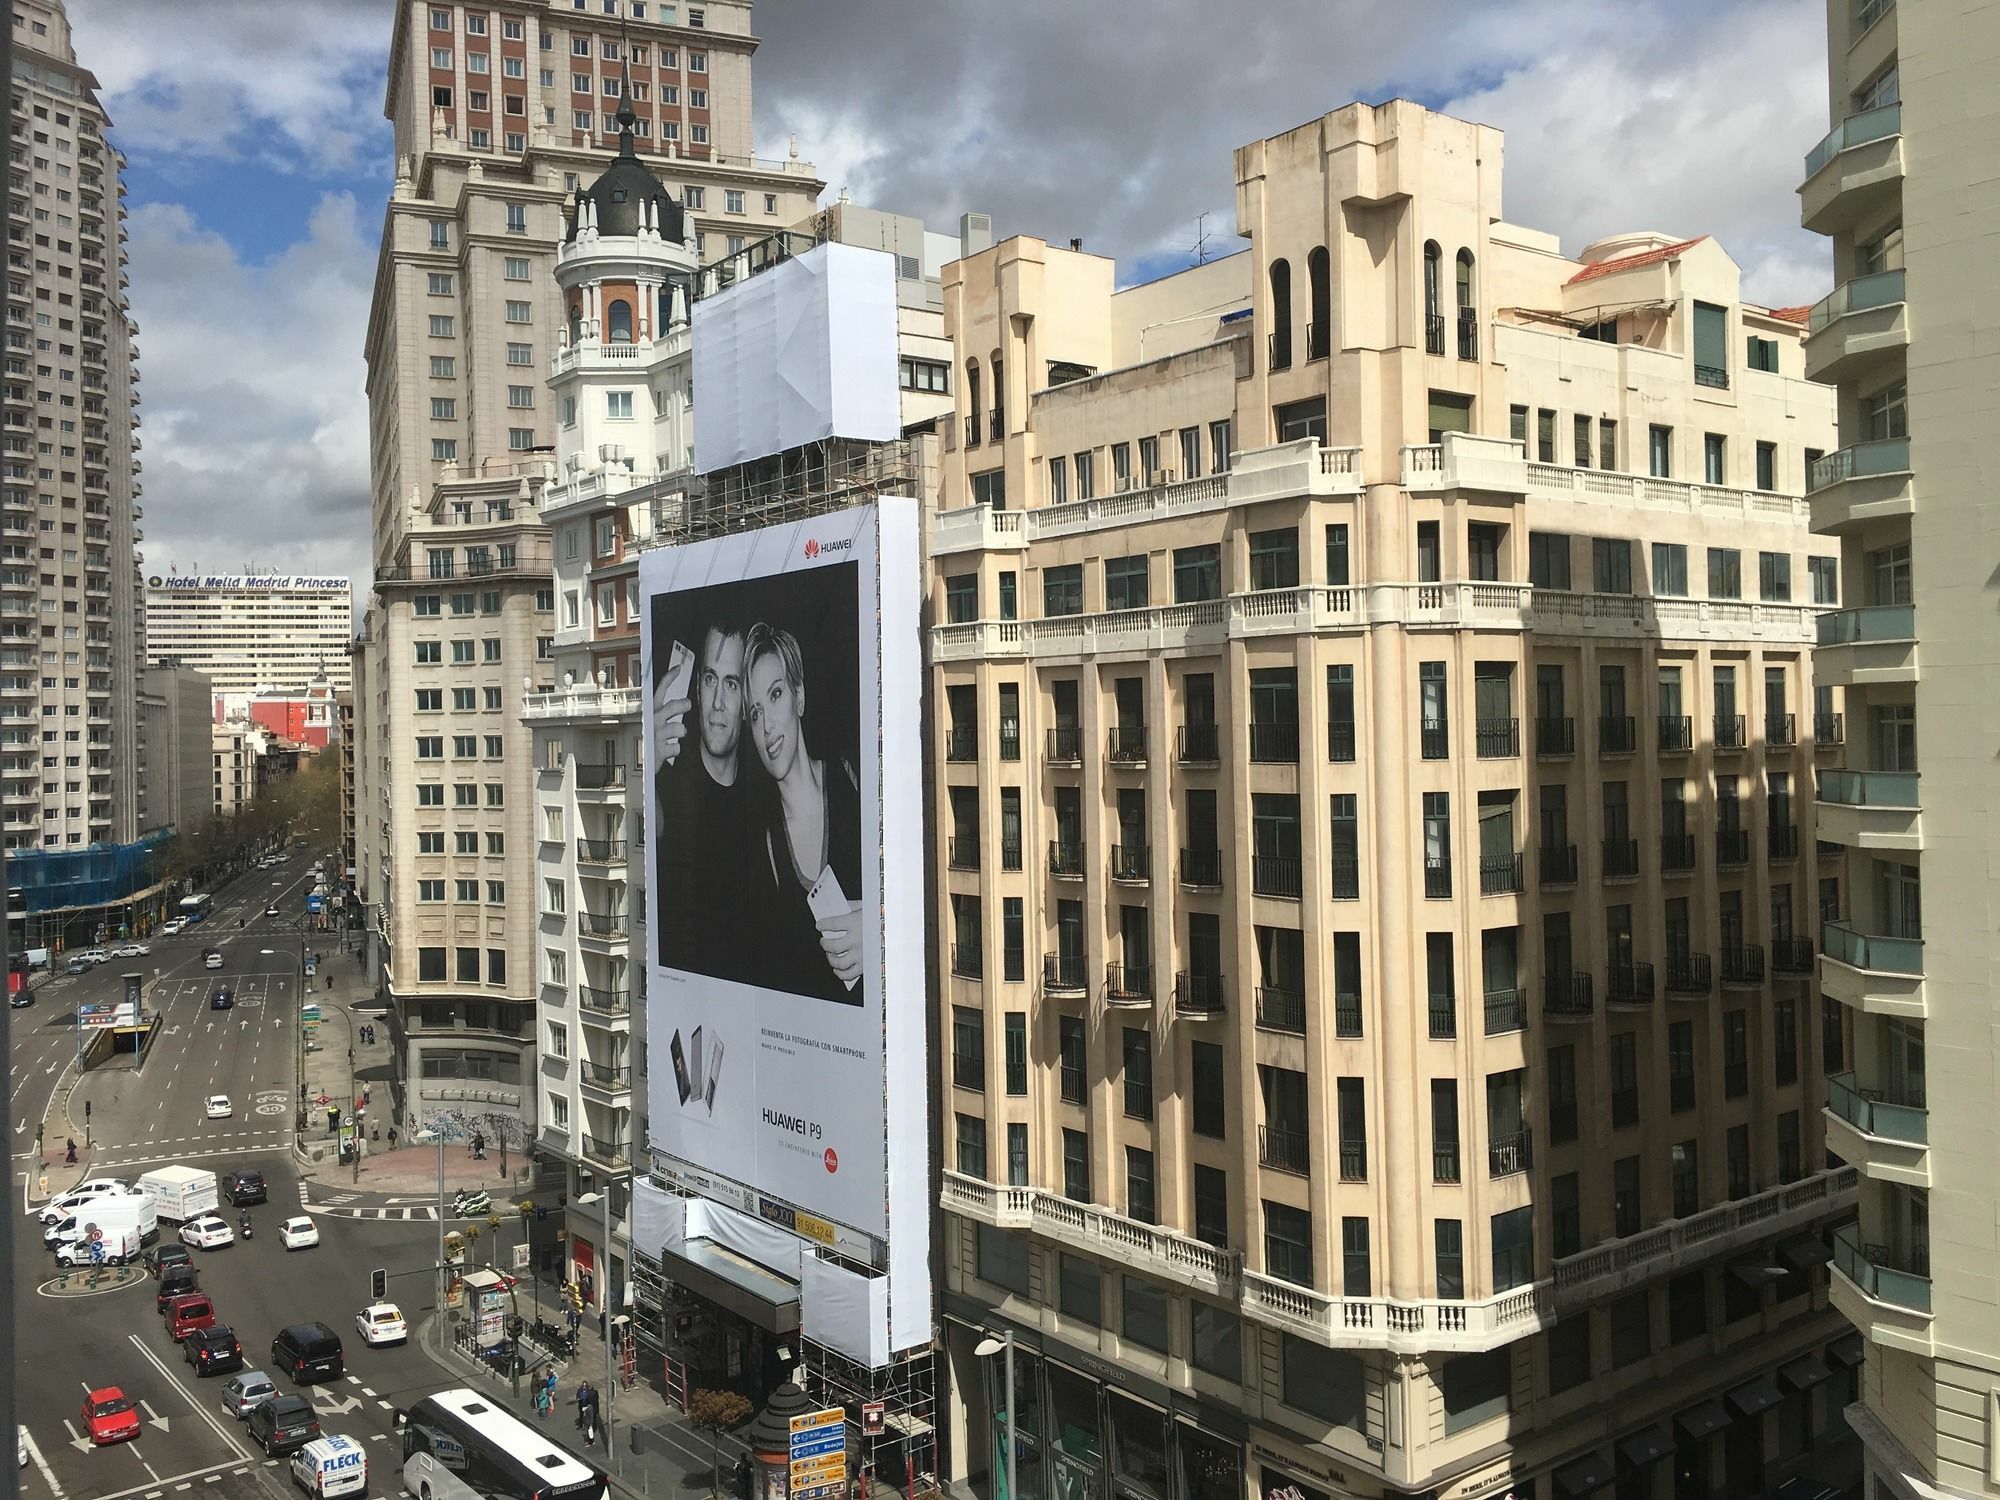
(196, 909)
(458, 1445)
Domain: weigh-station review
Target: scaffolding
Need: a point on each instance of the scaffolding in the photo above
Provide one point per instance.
(900, 1449)
(799, 483)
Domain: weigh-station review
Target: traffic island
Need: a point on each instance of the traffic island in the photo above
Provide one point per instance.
(92, 1281)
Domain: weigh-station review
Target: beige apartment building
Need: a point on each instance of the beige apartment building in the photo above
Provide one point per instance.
(503, 112)
(72, 625)
(1904, 186)
(1376, 880)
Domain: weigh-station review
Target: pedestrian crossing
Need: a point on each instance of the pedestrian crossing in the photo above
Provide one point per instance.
(351, 1206)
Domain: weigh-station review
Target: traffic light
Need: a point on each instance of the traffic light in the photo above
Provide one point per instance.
(378, 1284)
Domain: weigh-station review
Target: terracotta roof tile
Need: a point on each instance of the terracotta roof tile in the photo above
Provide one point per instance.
(1630, 262)
(1793, 314)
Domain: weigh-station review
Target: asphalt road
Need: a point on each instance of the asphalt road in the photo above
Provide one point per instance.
(71, 1344)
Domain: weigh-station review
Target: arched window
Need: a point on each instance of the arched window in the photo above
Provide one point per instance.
(575, 323)
(619, 321)
(975, 418)
(1433, 314)
(999, 427)
(1281, 315)
(1319, 331)
(1468, 315)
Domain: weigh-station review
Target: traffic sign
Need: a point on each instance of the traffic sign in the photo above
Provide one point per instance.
(819, 1491)
(822, 1470)
(873, 1418)
(812, 1444)
(813, 1421)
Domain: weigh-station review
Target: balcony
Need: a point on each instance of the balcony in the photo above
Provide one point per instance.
(1870, 809)
(1855, 172)
(1889, 1142)
(600, 851)
(966, 961)
(606, 1079)
(1501, 875)
(1284, 1150)
(1880, 974)
(1854, 487)
(1629, 986)
(1201, 869)
(1496, 739)
(1790, 955)
(1690, 976)
(1274, 743)
(1128, 986)
(1506, 1011)
(1276, 875)
(972, 430)
(599, 779)
(604, 1002)
(1510, 1155)
(1829, 731)
(1743, 963)
(1437, 878)
(1062, 974)
(962, 852)
(1125, 745)
(1197, 997)
(1340, 740)
(1731, 732)
(1468, 333)
(1555, 737)
(1859, 331)
(1066, 745)
(1621, 859)
(1466, 461)
(1732, 846)
(1199, 745)
(1676, 853)
(1434, 739)
(1568, 997)
(602, 927)
(1783, 840)
(1617, 735)
(1556, 865)
(1874, 644)
(1676, 734)
(1065, 859)
(961, 743)
(1281, 1010)
(1131, 864)
(1885, 1295)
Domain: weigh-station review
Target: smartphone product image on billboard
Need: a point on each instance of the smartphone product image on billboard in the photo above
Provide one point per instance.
(785, 901)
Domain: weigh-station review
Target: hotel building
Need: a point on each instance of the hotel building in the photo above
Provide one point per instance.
(1374, 739)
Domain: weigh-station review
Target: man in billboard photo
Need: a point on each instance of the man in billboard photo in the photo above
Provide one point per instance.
(704, 806)
(812, 840)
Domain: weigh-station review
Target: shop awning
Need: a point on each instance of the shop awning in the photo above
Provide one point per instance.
(1697, 1422)
(1846, 1351)
(1647, 1445)
(730, 1281)
(1582, 1477)
(1805, 1372)
(1753, 1396)
(1805, 1251)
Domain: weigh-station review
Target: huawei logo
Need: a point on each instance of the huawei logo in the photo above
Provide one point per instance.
(812, 547)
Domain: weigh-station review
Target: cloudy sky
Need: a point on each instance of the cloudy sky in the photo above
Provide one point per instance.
(259, 161)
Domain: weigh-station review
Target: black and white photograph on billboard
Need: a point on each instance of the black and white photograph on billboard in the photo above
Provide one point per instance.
(757, 786)
(784, 833)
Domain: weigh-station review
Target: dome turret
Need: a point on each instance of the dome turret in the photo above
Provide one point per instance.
(628, 197)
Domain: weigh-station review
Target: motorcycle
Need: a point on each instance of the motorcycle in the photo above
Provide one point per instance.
(471, 1205)
(243, 1226)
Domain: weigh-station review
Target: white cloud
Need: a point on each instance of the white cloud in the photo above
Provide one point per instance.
(252, 406)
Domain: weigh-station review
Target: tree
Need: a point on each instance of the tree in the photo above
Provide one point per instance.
(714, 1412)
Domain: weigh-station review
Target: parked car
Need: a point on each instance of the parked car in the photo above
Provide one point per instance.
(298, 1234)
(108, 1417)
(58, 1209)
(245, 1391)
(173, 927)
(79, 965)
(212, 1350)
(284, 1424)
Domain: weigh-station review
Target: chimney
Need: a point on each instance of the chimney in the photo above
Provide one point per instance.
(975, 233)
(1076, 244)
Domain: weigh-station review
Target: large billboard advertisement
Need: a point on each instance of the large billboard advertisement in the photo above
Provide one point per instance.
(785, 995)
(802, 352)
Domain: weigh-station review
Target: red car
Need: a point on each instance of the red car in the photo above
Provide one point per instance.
(109, 1417)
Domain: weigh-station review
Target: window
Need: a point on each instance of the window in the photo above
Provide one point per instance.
(1725, 573)
(1548, 559)
(1069, 1046)
(441, 325)
(1208, 1086)
(1138, 1060)
(1660, 451)
(1080, 1289)
(961, 598)
(1357, 1278)
(1143, 1314)
(520, 312)
(1545, 436)
(1714, 458)
(1274, 559)
(1670, 570)
(1611, 564)
(1767, 466)
(926, 375)
(1711, 346)
(1445, 1165)
(1062, 590)
(1631, 1328)
(1774, 576)
(618, 405)
(1015, 1032)
(1761, 354)
(1217, 1338)
(1139, 1201)
(1569, 1352)
(1824, 573)
(1197, 574)
(1474, 1388)
(1288, 1245)
(1513, 1249)
(1125, 584)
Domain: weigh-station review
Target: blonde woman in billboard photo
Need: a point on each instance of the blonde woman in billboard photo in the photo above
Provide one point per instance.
(812, 844)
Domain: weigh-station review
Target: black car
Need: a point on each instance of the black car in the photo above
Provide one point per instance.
(213, 1351)
(244, 1188)
(173, 1281)
(308, 1351)
(173, 1253)
(284, 1424)
(221, 999)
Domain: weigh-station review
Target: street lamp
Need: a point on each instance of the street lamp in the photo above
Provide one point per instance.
(426, 1137)
(604, 1295)
(986, 1348)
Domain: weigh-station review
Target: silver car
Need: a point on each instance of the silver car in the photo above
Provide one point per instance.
(245, 1391)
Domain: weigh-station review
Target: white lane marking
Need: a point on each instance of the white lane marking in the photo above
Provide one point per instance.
(35, 1455)
(200, 1408)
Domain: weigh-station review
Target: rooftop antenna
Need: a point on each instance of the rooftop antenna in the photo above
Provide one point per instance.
(1201, 239)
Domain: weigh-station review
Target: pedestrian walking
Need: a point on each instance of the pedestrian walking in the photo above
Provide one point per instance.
(392, 1138)
(742, 1477)
(548, 1393)
(544, 1397)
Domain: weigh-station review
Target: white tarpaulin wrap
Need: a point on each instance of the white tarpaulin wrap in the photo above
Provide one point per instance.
(795, 354)
(845, 1311)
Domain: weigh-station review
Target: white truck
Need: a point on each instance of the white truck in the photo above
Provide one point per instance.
(121, 1243)
(118, 1219)
(181, 1193)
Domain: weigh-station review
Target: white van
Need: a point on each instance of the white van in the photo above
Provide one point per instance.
(331, 1465)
